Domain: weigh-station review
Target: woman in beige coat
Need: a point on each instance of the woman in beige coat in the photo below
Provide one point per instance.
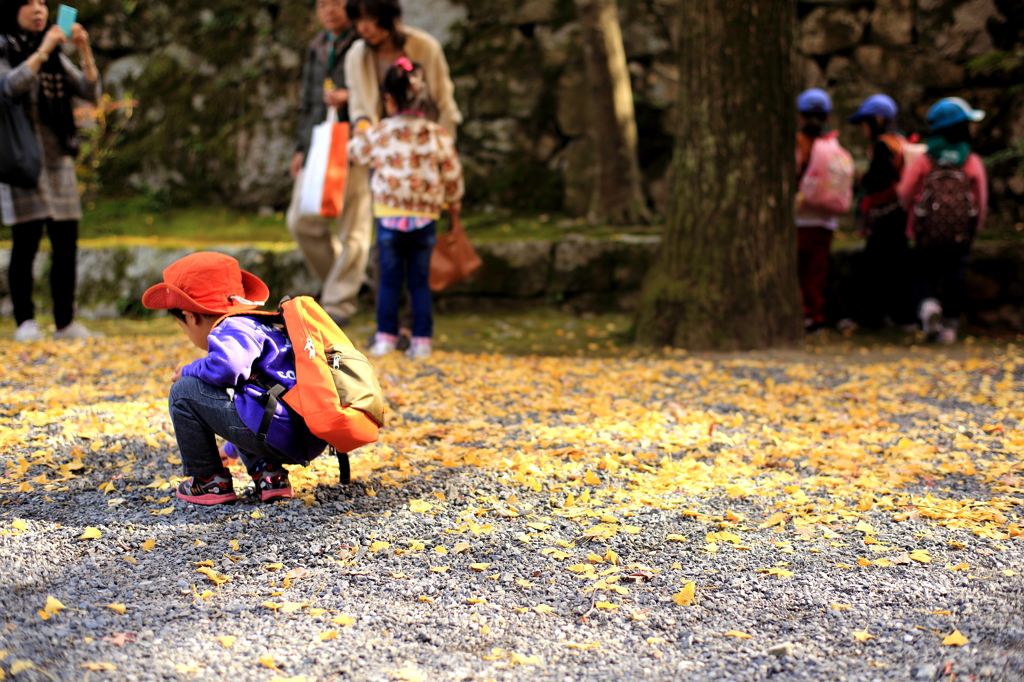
(384, 40)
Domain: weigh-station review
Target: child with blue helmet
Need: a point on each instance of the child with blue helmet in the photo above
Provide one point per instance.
(816, 225)
(946, 194)
(885, 292)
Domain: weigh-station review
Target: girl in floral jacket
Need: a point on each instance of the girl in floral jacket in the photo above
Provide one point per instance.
(416, 172)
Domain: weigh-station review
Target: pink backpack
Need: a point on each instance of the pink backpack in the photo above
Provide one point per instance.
(828, 182)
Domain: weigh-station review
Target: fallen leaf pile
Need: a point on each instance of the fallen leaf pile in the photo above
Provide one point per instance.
(795, 457)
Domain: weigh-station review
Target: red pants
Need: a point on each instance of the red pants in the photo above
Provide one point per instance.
(813, 245)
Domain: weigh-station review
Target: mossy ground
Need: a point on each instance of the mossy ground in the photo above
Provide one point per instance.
(142, 220)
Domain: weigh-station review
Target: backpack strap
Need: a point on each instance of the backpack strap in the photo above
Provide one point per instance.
(272, 399)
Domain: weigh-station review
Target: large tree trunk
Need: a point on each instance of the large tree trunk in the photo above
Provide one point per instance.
(617, 197)
(726, 273)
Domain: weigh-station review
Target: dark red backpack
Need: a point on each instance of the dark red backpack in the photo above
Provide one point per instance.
(945, 214)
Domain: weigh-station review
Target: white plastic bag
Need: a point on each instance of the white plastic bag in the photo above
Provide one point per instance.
(326, 170)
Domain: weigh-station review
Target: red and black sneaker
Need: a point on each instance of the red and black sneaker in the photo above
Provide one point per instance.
(271, 484)
(216, 489)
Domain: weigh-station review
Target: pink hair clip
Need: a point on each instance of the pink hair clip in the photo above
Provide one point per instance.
(404, 63)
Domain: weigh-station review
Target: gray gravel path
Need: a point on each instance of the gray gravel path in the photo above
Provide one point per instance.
(360, 590)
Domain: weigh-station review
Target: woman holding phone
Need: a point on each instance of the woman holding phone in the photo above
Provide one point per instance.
(36, 75)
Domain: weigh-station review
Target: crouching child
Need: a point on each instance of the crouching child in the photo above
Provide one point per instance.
(223, 394)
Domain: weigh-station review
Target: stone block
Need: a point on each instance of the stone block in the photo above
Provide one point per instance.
(829, 29)
(892, 22)
(956, 29)
(511, 269)
(582, 265)
(633, 257)
(897, 68)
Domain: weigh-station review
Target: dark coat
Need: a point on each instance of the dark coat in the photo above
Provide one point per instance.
(312, 109)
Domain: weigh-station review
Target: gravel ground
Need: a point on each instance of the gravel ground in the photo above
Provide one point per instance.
(530, 519)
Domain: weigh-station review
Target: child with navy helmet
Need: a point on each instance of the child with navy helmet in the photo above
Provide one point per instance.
(945, 193)
(885, 291)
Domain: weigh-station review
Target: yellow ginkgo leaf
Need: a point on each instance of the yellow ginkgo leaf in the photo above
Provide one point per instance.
(21, 665)
(607, 605)
(685, 596)
(862, 635)
(738, 635)
(543, 609)
(955, 638)
(479, 567)
(214, 576)
(227, 640)
(344, 620)
(267, 661)
(420, 506)
(90, 533)
(119, 608)
(148, 545)
(97, 666)
(379, 545)
(330, 634)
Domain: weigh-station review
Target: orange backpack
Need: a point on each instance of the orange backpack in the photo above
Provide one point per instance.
(336, 392)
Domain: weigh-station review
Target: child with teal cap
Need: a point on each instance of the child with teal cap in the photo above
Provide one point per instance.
(945, 193)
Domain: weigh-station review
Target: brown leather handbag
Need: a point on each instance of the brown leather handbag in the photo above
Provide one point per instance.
(453, 259)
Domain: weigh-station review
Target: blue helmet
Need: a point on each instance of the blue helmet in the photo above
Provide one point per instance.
(814, 101)
(876, 105)
(950, 111)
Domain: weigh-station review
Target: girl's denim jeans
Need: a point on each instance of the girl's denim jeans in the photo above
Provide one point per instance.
(405, 256)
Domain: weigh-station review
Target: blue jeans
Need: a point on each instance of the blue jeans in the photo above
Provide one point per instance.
(199, 411)
(405, 256)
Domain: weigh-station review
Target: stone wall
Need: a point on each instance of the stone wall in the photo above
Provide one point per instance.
(218, 86)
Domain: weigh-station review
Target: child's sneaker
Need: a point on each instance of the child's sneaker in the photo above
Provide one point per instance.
(930, 313)
(76, 330)
(272, 484)
(217, 489)
(383, 344)
(421, 347)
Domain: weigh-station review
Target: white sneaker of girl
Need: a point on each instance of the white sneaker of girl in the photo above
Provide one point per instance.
(383, 344)
(76, 330)
(421, 347)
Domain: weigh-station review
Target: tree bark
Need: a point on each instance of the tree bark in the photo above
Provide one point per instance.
(617, 196)
(726, 275)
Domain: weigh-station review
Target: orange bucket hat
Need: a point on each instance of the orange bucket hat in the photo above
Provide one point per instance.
(209, 283)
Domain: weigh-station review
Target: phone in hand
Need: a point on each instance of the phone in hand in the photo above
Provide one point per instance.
(66, 17)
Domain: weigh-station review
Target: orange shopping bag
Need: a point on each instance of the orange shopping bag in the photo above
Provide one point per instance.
(326, 171)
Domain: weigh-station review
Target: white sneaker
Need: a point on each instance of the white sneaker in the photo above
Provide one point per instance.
(28, 331)
(76, 330)
(381, 347)
(947, 336)
(420, 348)
(930, 313)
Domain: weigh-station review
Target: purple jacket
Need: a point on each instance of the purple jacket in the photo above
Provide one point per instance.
(241, 347)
